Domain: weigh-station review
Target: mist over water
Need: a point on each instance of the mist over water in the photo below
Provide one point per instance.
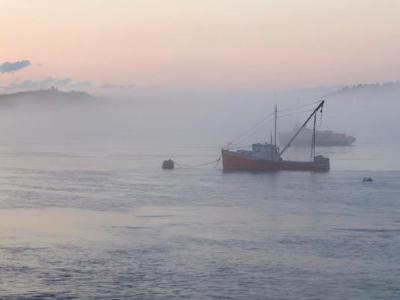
(96, 95)
(211, 118)
(87, 212)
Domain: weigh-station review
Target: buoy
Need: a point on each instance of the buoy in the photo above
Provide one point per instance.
(367, 179)
(168, 164)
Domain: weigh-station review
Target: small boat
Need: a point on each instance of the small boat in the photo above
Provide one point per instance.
(168, 164)
(266, 157)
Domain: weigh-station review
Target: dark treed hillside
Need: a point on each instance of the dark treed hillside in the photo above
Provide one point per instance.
(50, 98)
(387, 89)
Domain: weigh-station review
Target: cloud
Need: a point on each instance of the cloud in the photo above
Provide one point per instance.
(9, 67)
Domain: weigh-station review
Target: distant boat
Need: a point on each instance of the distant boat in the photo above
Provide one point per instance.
(268, 157)
(326, 138)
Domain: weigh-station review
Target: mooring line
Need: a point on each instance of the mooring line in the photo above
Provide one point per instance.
(188, 166)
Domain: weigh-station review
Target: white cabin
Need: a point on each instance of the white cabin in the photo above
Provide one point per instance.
(265, 152)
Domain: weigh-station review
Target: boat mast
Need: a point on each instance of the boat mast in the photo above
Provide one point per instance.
(276, 121)
(313, 139)
(302, 126)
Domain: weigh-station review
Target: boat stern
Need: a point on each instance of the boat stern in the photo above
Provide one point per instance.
(321, 163)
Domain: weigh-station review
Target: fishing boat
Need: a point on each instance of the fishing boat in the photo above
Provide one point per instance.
(266, 157)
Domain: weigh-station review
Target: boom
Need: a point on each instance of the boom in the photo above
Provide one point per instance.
(301, 127)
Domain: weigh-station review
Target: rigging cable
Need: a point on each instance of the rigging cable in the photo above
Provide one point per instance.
(252, 130)
(294, 113)
(300, 106)
(319, 125)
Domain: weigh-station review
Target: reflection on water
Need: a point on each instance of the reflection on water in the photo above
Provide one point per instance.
(98, 222)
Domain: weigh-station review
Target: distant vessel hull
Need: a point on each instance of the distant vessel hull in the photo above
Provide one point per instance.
(233, 161)
(323, 138)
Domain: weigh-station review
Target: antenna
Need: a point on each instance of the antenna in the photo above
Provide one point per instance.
(276, 121)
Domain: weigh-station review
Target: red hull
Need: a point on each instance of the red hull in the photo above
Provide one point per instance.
(232, 161)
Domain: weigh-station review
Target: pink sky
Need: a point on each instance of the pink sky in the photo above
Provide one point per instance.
(208, 43)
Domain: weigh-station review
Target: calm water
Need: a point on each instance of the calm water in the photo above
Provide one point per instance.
(95, 221)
